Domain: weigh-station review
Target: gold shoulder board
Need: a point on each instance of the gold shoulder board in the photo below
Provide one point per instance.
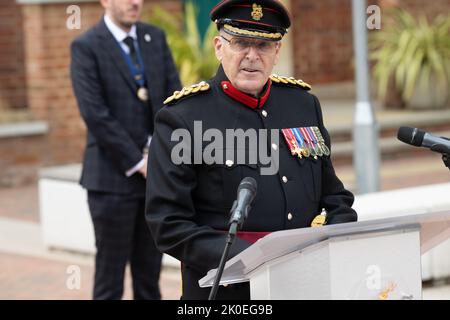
(290, 81)
(187, 91)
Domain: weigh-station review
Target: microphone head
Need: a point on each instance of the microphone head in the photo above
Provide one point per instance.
(412, 136)
(248, 183)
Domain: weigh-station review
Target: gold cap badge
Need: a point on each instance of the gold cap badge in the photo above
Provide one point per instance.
(257, 12)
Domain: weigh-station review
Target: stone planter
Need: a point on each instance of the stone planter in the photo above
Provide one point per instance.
(429, 93)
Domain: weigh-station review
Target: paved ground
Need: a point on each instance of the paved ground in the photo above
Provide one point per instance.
(28, 270)
(23, 277)
(20, 203)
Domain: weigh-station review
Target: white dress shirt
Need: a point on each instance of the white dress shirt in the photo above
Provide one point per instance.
(119, 34)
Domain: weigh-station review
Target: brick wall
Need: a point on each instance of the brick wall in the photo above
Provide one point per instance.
(20, 159)
(322, 40)
(323, 36)
(12, 76)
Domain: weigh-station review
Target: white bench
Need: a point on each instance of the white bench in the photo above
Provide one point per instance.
(66, 223)
(65, 219)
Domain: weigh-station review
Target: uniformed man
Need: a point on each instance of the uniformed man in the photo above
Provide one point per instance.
(188, 202)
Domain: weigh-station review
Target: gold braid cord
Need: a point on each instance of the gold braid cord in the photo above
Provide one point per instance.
(253, 33)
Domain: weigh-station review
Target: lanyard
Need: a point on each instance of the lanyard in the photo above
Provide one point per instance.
(138, 74)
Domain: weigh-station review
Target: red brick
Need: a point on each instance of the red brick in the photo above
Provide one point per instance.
(11, 53)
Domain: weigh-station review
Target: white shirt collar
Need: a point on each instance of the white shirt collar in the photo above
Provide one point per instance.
(117, 32)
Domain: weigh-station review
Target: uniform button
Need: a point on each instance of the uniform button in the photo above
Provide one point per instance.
(229, 163)
(264, 113)
(290, 216)
(285, 179)
(274, 147)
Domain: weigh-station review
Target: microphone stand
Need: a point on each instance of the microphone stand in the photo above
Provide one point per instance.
(235, 224)
(446, 159)
(230, 239)
(444, 150)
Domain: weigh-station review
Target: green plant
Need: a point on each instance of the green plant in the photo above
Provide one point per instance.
(410, 49)
(195, 59)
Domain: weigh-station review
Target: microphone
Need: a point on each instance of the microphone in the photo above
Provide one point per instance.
(241, 206)
(245, 195)
(419, 138)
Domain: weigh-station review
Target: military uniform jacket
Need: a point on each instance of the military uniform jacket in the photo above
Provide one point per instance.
(188, 205)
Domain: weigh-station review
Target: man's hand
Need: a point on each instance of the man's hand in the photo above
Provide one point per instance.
(143, 169)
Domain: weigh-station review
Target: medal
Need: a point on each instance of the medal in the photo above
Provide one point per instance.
(304, 148)
(296, 150)
(326, 150)
(136, 69)
(290, 140)
(142, 94)
(317, 146)
(296, 146)
(309, 142)
(317, 140)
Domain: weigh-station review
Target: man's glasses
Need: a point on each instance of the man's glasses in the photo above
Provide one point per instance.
(240, 45)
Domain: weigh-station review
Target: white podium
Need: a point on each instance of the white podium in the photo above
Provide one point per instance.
(377, 259)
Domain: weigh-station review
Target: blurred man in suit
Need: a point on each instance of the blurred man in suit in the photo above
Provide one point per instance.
(121, 71)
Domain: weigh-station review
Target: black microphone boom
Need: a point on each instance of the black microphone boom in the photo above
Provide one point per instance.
(419, 138)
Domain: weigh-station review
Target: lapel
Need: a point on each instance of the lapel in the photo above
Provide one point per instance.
(111, 46)
(148, 52)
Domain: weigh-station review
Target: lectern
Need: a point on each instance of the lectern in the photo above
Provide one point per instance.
(377, 259)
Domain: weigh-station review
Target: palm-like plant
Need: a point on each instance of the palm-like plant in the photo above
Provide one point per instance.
(413, 52)
(194, 58)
